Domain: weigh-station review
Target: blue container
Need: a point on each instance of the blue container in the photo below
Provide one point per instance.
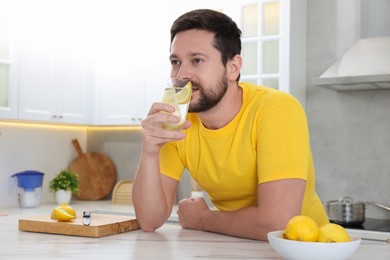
(29, 180)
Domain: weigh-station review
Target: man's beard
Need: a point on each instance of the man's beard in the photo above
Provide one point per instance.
(210, 99)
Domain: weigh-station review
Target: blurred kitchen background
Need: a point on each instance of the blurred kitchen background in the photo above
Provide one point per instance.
(127, 44)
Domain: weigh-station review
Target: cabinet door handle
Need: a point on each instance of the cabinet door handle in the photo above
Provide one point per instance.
(57, 116)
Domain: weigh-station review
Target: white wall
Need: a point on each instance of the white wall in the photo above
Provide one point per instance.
(34, 147)
(375, 18)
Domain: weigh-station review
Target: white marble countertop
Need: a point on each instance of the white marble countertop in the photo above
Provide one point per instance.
(168, 242)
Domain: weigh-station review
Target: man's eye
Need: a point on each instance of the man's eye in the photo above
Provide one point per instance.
(175, 62)
(196, 61)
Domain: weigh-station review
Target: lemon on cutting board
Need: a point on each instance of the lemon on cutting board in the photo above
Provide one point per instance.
(301, 228)
(63, 212)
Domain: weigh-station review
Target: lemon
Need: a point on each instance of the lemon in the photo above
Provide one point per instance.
(169, 96)
(333, 233)
(177, 99)
(301, 228)
(63, 207)
(184, 95)
(62, 215)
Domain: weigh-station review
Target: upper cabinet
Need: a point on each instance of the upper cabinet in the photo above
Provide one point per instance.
(124, 94)
(8, 78)
(132, 64)
(105, 63)
(55, 82)
(50, 72)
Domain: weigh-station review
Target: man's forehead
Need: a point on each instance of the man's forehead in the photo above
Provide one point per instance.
(195, 36)
(192, 42)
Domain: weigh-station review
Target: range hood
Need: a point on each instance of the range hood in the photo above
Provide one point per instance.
(365, 66)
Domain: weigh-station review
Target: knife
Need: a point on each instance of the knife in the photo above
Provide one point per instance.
(86, 218)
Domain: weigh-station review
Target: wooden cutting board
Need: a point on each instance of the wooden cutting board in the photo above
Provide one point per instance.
(101, 225)
(96, 171)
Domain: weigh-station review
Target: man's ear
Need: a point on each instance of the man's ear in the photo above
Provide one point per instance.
(233, 67)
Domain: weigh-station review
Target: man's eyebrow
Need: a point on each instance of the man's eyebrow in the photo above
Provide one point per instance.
(172, 56)
(192, 54)
(197, 54)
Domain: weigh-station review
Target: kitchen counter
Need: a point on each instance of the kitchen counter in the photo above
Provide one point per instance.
(168, 242)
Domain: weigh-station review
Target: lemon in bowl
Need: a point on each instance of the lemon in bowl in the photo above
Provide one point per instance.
(301, 228)
(333, 233)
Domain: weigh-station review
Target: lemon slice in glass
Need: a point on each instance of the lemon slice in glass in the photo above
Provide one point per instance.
(184, 95)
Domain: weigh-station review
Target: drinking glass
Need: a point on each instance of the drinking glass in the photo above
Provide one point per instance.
(178, 95)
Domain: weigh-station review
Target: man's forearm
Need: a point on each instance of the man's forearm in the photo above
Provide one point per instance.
(278, 202)
(245, 223)
(149, 199)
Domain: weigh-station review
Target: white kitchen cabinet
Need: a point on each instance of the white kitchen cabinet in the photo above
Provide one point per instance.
(131, 72)
(55, 83)
(124, 93)
(117, 95)
(8, 79)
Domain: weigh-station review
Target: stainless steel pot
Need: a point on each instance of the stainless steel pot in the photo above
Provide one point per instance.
(346, 212)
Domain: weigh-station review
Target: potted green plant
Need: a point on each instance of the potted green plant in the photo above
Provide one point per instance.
(63, 185)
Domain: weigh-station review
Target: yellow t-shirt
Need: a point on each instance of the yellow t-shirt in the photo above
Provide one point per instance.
(267, 140)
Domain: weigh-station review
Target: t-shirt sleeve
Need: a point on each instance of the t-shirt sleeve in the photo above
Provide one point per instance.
(283, 148)
(170, 162)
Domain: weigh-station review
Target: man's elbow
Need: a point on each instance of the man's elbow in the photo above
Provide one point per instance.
(148, 227)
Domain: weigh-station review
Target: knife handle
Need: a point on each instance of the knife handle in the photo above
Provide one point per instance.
(86, 218)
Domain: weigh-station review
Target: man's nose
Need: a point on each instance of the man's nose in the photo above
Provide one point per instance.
(184, 72)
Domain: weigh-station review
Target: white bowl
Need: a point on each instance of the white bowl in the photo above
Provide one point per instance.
(290, 249)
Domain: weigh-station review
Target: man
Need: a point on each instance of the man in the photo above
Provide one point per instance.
(247, 146)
